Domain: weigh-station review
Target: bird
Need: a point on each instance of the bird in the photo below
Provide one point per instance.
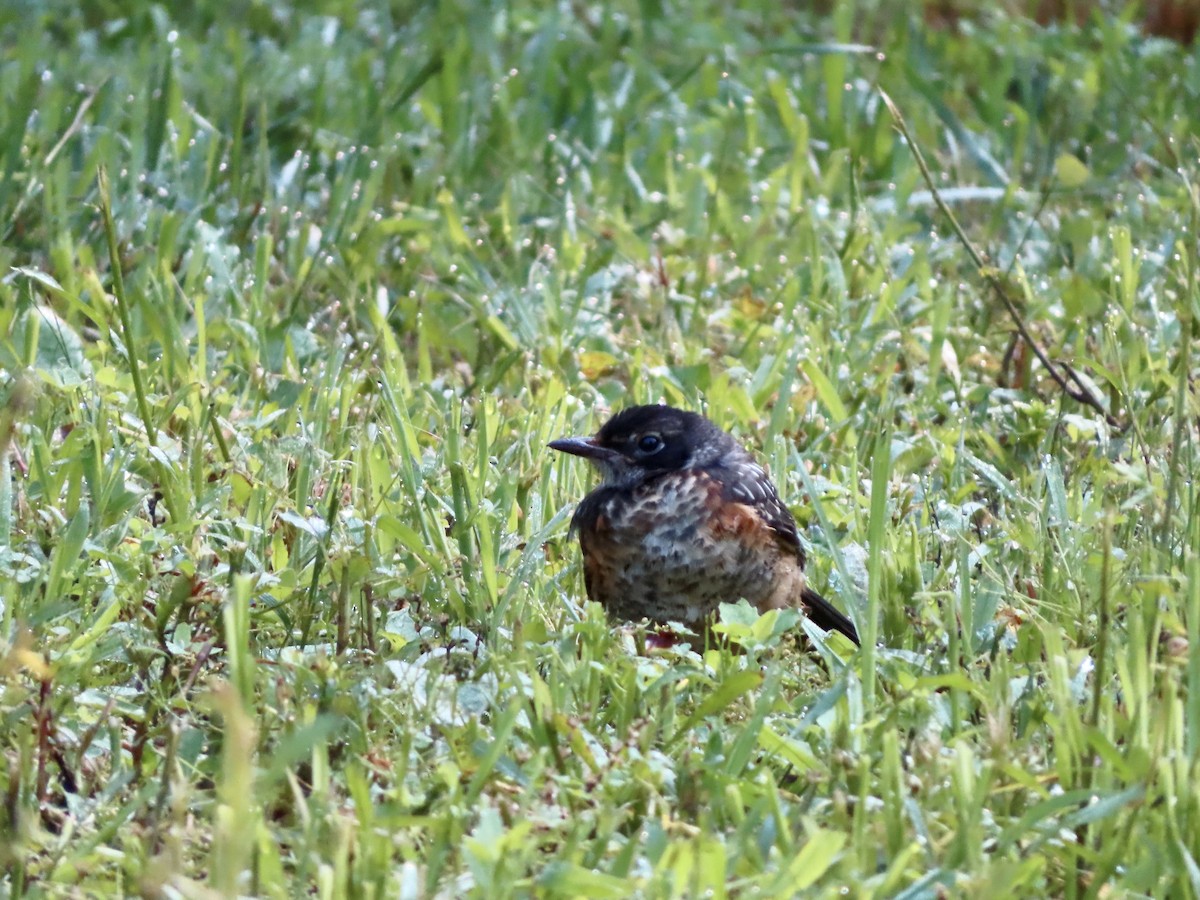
(685, 519)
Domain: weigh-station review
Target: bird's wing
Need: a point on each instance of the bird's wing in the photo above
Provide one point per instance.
(747, 482)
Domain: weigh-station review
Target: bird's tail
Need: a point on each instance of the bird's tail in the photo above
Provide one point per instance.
(825, 615)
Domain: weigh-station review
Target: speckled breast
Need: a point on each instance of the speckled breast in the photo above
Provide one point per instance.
(672, 550)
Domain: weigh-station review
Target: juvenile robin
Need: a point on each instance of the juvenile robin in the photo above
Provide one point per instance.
(684, 519)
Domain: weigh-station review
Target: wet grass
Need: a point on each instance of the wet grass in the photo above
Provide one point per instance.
(296, 296)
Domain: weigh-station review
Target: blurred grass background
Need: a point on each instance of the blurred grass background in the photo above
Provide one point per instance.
(293, 296)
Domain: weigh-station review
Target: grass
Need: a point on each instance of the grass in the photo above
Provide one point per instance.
(295, 296)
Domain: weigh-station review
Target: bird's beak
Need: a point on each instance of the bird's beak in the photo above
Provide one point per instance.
(582, 446)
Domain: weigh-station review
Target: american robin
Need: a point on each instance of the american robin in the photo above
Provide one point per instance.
(685, 519)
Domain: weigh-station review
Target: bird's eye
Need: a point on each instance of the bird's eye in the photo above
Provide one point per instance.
(650, 443)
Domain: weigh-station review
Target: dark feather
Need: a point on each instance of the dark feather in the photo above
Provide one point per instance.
(824, 615)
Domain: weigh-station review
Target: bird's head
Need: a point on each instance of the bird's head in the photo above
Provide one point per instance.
(643, 441)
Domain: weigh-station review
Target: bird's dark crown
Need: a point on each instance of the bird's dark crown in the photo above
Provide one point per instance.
(644, 442)
(686, 438)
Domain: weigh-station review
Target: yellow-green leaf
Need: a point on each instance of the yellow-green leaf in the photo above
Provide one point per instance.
(1070, 171)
